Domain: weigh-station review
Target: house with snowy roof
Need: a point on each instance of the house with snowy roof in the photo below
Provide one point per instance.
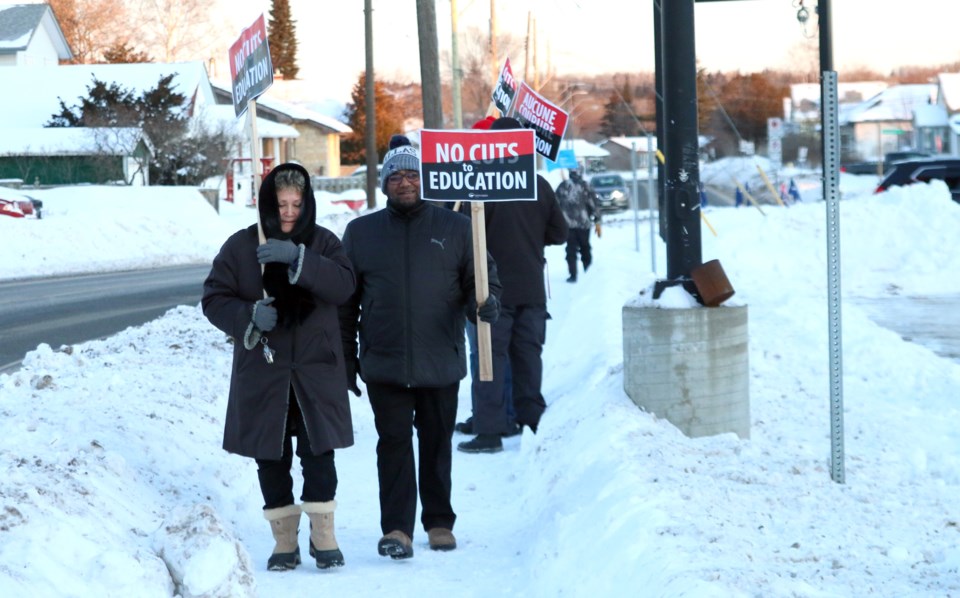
(942, 124)
(883, 123)
(31, 36)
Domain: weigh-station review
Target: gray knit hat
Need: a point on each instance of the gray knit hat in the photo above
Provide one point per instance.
(401, 156)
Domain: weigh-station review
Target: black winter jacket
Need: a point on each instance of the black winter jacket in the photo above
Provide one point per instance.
(415, 279)
(517, 232)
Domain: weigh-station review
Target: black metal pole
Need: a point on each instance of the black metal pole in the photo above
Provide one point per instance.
(661, 124)
(681, 150)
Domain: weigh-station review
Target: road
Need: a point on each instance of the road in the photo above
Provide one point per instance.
(73, 309)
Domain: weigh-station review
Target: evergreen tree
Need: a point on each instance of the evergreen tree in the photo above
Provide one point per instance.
(619, 118)
(123, 53)
(282, 39)
(389, 120)
(181, 155)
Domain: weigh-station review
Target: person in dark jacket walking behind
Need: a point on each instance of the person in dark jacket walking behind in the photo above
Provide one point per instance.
(415, 283)
(579, 206)
(288, 377)
(517, 232)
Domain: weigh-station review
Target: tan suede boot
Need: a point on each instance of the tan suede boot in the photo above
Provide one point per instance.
(284, 523)
(323, 542)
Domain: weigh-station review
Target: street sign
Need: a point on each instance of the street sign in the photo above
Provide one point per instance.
(893, 131)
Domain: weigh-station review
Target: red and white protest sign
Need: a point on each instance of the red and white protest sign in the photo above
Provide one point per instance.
(251, 68)
(475, 165)
(547, 120)
(505, 89)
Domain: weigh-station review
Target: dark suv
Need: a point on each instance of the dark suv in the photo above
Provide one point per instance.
(611, 190)
(923, 171)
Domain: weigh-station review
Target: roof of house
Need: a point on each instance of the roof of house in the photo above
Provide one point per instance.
(222, 115)
(896, 103)
(584, 149)
(72, 141)
(626, 142)
(19, 24)
(290, 110)
(948, 88)
(48, 85)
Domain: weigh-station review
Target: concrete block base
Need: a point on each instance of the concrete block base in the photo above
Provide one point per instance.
(689, 366)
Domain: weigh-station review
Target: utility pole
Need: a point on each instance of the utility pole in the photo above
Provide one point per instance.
(370, 134)
(681, 151)
(526, 47)
(455, 59)
(494, 62)
(429, 65)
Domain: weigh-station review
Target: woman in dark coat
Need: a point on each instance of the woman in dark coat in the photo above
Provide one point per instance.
(288, 377)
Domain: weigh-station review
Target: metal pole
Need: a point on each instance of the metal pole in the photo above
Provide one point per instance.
(661, 123)
(682, 144)
(370, 107)
(455, 59)
(635, 200)
(429, 65)
(651, 190)
(831, 194)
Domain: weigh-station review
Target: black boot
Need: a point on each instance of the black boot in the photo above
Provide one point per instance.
(483, 443)
(465, 427)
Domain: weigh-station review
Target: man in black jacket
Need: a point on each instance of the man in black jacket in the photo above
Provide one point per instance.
(415, 284)
(517, 232)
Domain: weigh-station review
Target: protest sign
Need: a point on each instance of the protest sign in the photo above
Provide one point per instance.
(505, 89)
(477, 165)
(251, 68)
(547, 120)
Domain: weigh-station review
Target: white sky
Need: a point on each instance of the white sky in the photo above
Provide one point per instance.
(112, 472)
(579, 36)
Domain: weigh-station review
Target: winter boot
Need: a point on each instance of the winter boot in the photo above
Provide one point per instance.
(441, 539)
(323, 544)
(397, 545)
(483, 443)
(284, 523)
(465, 427)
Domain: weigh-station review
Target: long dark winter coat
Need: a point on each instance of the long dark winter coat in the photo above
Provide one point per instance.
(414, 280)
(308, 353)
(517, 232)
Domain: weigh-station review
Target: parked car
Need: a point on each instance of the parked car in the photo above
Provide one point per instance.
(922, 171)
(611, 190)
(871, 167)
(17, 205)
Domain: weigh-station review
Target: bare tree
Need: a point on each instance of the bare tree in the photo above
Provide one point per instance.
(173, 30)
(92, 26)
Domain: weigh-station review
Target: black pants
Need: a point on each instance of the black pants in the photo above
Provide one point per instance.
(517, 338)
(319, 471)
(578, 239)
(433, 411)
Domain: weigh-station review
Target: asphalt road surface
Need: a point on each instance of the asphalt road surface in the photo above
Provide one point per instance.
(74, 309)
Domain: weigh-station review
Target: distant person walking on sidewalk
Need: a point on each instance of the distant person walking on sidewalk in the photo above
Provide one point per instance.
(579, 206)
(415, 284)
(288, 370)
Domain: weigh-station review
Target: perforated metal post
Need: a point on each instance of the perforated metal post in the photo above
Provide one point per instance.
(831, 176)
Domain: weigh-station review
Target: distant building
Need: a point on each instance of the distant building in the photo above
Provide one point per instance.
(620, 149)
(883, 123)
(31, 36)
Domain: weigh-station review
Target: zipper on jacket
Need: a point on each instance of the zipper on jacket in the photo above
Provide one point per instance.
(408, 333)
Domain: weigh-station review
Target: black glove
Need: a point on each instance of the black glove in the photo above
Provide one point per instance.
(353, 367)
(275, 250)
(264, 315)
(489, 312)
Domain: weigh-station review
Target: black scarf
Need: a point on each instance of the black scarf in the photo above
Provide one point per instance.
(294, 304)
